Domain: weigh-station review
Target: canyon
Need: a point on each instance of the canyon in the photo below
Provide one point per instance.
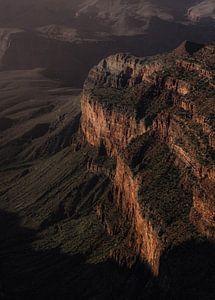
(108, 192)
(155, 117)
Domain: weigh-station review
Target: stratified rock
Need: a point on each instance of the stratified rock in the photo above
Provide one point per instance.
(155, 116)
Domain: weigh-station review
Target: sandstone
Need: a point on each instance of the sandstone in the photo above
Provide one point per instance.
(156, 120)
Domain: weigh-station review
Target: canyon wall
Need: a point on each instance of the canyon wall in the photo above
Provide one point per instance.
(187, 131)
(192, 66)
(175, 130)
(113, 130)
(121, 70)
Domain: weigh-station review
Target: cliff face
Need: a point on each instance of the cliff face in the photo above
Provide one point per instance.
(144, 236)
(112, 130)
(121, 70)
(155, 116)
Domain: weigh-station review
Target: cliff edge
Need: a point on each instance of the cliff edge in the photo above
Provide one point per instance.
(155, 118)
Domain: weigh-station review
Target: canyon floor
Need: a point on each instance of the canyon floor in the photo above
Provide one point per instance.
(70, 226)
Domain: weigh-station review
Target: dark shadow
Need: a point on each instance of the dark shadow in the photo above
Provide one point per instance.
(5, 123)
(29, 274)
(186, 272)
(102, 150)
(191, 47)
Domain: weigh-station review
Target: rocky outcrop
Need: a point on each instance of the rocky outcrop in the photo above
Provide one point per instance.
(196, 152)
(200, 119)
(143, 236)
(171, 129)
(139, 110)
(192, 66)
(203, 211)
(122, 70)
(112, 130)
(176, 85)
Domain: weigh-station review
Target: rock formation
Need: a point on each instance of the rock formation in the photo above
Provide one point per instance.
(155, 117)
(123, 207)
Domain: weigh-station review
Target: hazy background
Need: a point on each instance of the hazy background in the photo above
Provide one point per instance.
(68, 37)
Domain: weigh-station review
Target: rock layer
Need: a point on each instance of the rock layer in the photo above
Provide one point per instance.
(139, 110)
